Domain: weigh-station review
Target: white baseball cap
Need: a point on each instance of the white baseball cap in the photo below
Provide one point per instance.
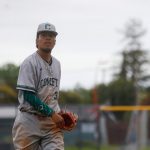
(46, 27)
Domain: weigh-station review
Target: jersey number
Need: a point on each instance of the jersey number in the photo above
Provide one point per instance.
(55, 95)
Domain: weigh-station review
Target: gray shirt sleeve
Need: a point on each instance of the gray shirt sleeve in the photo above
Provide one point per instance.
(27, 77)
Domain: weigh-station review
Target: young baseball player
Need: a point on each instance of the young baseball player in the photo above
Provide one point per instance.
(37, 124)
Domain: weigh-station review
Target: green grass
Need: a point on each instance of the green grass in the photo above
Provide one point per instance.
(101, 148)
(93, 148)
(75, 148)
(146, 148)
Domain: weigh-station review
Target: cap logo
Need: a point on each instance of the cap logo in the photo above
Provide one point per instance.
(47, 26)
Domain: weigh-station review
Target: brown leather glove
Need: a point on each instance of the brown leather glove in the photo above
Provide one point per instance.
(70, 120)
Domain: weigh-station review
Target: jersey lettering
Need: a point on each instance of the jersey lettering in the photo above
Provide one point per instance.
(49, 81)
(56, 95)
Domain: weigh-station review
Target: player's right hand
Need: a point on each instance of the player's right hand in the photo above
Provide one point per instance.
(58, 120)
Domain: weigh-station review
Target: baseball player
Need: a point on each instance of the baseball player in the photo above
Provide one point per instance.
(38, 122)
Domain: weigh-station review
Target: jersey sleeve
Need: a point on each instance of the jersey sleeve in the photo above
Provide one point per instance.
(27, 77)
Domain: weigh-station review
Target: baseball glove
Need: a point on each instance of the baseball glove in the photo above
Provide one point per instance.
(70, 120)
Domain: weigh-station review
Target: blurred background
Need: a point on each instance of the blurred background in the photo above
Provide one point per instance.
(104, 50)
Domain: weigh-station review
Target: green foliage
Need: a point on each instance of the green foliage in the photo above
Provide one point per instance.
(121, 92)
(69, 97)
(102, 91)
(8, 79)
(75, 96)
(9, 74)
(117, 92)
(132, 66)
(134, 57)
(91, 147)
(85, 94)
(132, 74)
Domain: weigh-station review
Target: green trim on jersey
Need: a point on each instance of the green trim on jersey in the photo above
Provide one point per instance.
(23, 87)
(37, 104)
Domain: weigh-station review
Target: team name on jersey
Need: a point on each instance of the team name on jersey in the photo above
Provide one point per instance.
(49, 81)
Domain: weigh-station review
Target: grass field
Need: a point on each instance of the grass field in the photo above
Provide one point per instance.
(101, 148)
(93, 148)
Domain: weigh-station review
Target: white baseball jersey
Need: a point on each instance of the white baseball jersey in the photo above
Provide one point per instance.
(38, 76)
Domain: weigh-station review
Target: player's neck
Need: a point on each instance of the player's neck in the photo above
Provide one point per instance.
(45, 56)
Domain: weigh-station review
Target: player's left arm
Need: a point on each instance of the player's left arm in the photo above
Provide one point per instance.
(43, 108)
(36, 103)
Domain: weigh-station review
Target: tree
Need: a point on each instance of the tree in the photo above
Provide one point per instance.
(8, 80)
(134, 57)
(78, 95)
(9, 74)
(121, 92)
(102, 91)
(70, 97)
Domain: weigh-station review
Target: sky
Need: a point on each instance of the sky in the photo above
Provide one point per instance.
(88, 41)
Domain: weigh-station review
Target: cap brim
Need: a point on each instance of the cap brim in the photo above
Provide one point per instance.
(53, 32)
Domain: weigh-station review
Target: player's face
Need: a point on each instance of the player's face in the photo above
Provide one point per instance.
(46, 41)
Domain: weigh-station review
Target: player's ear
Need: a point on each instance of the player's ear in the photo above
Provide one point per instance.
(36, 42)
(37, 37)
